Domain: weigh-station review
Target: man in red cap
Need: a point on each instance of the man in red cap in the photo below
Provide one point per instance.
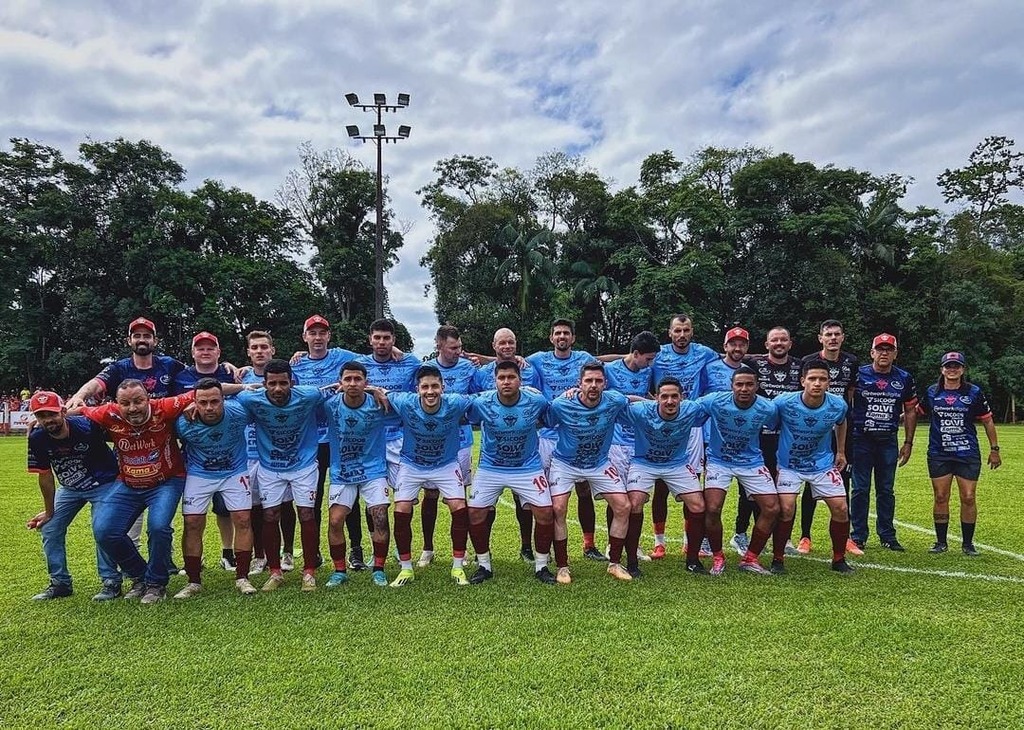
(882, 392)
(73, 451)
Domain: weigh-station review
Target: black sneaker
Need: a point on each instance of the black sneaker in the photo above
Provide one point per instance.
(545, 576)
(482, 574)
(778, 567)
(54, 590)
(895, 546)
(939, 547)
(318, 560)
(634, 572)
(227, 562)
(108, 592)
(593, 553)
(970, 550)
(696, 568)
(137, 589)
(842, 567)
(355, 559)
(526, 554)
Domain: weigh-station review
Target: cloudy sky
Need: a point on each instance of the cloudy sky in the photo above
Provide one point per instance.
(231, 89)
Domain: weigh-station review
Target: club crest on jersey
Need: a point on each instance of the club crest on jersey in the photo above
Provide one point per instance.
(810, 420)
(593, 418)
(216, 436)
(740, 420)
(280, 417)
(510, 420)
(950, 399)
(430, 425)
(351, 422)
(881, 384)
(779, 376)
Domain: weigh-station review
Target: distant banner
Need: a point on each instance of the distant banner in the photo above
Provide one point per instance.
(20, 420)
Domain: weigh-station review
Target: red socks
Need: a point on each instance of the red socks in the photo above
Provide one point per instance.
(695, 529)
(840, 533)
(403, 535)
(460, 532)
(338, 557)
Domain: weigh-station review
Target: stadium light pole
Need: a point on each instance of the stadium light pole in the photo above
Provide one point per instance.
(379, 137)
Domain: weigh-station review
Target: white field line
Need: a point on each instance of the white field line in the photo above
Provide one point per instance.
(875, 566)
(957, 538)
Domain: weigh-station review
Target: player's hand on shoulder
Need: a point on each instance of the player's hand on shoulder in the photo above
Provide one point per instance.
(241, 373)
(570, 393)
(296, 357)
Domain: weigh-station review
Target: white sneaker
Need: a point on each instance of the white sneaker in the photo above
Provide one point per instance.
(426, 558)
(226, 564)
(257, 566)
(190, 590)
(287, 562)
(245, 587)
(642, 556)
(740, 543)
(308, 582)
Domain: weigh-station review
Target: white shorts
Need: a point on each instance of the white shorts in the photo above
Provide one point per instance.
(546, 448)
(679, 479)
(393, 454)
(277, 487)
(199, 493)
(603, 479)
(488, 486)
(373, 492)
(621, 456)
(411, 479)
(695, 449)
(755, 479)
(254, 484)
(823, 484)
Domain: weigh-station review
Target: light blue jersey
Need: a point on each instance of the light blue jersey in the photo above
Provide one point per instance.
(219, 450)
(557, 375)
(584, 433)
(395, 376)
(684, 367)
(320, 372)
(509, 433)
(484, 380)
(628, 382)
(805, 435)
(431, 439)
(715, 377)
(458, 379)
(286, 436)
(356, 436)
(736, 432)
(659, 442)
(250, 431)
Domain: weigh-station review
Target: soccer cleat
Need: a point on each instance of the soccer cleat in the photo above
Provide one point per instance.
(752, 566)
(379, 578)
(318, 560)
(174, 570)
(618, 572)
(227, 563)
(137, 589)
(642, 556)
(482, 574)
(54, 590)
(526, 555)
(939, 547)
(257, 566)
(740, 543)
(190, 590)
(592, 553)
(698, 568)
(287, 562)
(804, 546)
(108, 592)
(563, 576)
(245, 587)
(426, 558)
(405, 577)
(459, 576)
(705, 549)
(355, 559)
(778, 567)
(634, 572)
(894, 545)
(842, 567)
(308, 582)
(790, 549)
(544, 576)
(970, 550)
(337, 578)
(717, 565)
(854, 548)
(275, 581)
(658, 552)
(153, 594)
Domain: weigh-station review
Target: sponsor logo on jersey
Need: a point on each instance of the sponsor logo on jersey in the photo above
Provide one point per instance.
(897, 385)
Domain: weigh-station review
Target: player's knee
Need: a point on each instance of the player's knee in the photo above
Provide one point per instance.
(478, 515)
(543, 515)
(194, 522)
(967, 499)
(241, 520)
(306, 514)
(271, 514)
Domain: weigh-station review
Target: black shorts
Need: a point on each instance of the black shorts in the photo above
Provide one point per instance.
(939, 466)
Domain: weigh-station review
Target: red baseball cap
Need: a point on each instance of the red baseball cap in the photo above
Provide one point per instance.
(957, 357)
(45, 400)
(316, 319)
(737, 333)
(884, 339)
(204, 335)
(141, 322)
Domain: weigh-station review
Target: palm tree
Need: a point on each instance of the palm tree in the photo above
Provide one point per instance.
(529, 265)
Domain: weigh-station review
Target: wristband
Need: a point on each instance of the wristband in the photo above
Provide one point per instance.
(994, 448)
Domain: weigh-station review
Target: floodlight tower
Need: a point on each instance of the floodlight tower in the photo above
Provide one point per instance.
(379, 137)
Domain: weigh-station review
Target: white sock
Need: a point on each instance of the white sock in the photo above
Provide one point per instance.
(659, 539)
(406, 564)
(484, 560)
(427, 554)
(540, 561)
(457, 562)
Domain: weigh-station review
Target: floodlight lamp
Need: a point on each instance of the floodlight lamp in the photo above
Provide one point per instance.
(352, 99)
(353, 130)
(380, 99)
(403, 100)
(378, 130)
(403, 131)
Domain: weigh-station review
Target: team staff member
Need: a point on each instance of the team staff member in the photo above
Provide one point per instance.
(954, 405)
(881, 393)
(842, 370)
(73, 451)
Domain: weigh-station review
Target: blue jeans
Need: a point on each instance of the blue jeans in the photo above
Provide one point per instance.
(66, 504)
(877, 454)
(121, 509)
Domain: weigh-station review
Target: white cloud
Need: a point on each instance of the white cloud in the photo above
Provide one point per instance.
(231, 89)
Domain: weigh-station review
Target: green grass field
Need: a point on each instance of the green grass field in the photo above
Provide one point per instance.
(911, 640)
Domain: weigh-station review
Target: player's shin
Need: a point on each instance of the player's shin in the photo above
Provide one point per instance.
(636, 523)
(839, 532)
(694, 525)
(428, 518)
(459, 535)
(403, 538)
(659, 511)
(310, 536)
